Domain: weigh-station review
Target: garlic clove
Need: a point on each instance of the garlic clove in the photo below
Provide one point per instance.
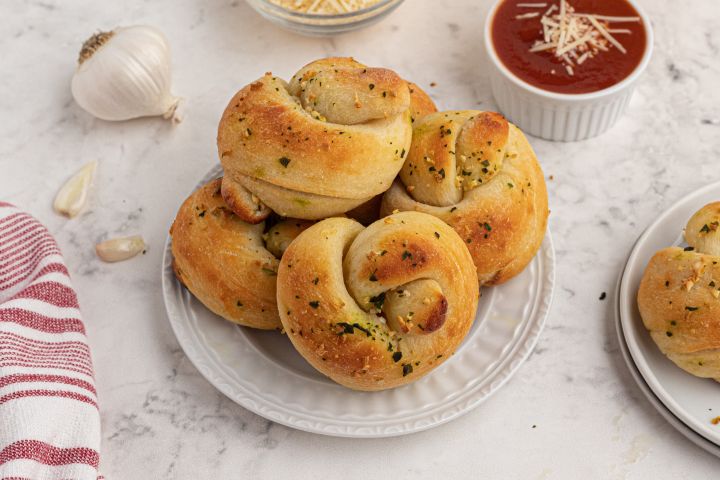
(125, 74)
(73, 195)
(119, 249)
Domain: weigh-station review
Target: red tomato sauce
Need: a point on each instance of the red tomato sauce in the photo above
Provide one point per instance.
(512, 39)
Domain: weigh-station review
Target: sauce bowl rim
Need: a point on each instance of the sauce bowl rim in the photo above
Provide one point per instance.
(571, 97)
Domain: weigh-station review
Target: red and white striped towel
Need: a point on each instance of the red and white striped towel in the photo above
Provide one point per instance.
(49, 419)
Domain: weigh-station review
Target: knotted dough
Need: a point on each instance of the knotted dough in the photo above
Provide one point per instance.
(477, 172)
(327, 141)
(377, 307)
(228, 264)
(679, 297)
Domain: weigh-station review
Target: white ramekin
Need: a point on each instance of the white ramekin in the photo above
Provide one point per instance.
(561, 116)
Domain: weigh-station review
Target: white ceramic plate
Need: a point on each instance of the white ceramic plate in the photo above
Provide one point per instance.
(261, 371)
(690, 434)
(695, 401)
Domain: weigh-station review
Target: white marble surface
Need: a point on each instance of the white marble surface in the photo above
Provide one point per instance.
(572, 411)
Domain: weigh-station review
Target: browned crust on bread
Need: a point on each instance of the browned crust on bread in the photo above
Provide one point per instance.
(502, 217)
(243, 203)
(703, 229)
(338, 130)
(679, 304)
(222, 260)
(336, 277)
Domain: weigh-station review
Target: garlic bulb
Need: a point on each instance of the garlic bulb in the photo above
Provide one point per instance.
(119, 249)
(125, 74)
(72, 197)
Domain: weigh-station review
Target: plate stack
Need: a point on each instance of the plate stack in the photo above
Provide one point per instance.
(261, 371)
(690, 404)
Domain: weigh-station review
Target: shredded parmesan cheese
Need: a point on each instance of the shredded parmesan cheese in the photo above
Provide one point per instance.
(574, 37)
(325, 7)
(605, 34)
(610, 19)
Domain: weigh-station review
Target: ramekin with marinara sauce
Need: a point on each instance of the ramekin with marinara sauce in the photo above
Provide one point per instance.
(559, 74)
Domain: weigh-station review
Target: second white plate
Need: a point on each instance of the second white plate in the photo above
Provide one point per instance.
(261, 370)
(690, 434)
(695, 401)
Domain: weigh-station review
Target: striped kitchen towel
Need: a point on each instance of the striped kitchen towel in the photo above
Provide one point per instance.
(49, 420)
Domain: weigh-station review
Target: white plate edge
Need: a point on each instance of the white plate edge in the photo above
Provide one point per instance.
(547, 272)
(673, 420)
(638, 357)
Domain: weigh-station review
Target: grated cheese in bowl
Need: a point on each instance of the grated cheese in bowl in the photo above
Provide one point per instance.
(324, 17)
(325, 7)
(571, 36)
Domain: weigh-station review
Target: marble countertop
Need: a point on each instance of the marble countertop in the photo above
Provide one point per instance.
(572, 410)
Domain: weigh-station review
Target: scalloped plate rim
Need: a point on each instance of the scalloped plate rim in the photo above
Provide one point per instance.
(511, 360)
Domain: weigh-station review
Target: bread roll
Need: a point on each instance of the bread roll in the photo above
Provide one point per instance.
(223, 260)
(329, 140)
(478, 173)
(703, 230)
(377, 307)
(679, 297)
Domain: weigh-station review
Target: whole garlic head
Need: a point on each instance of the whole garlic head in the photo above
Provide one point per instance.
(125, 74)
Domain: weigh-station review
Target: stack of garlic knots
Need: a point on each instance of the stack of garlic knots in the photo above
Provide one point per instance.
(359, 220)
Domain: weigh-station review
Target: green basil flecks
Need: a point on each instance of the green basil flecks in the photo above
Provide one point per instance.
(378, 300)
(350, 328)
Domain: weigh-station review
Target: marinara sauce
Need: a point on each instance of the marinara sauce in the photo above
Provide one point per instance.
(512, 39)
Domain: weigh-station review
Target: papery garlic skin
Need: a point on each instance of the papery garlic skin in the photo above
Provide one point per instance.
(73, 195)
(119, 249)
(126, 75)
